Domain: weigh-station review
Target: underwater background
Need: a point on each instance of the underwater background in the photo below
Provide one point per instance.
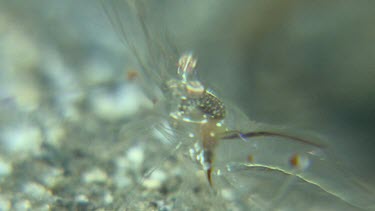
(65, 92)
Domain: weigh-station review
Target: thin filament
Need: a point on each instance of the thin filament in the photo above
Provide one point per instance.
(237, 134)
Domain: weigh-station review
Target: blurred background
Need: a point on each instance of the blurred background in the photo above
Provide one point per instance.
(308, 65)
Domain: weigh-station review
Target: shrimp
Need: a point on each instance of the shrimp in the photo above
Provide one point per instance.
(251, 165)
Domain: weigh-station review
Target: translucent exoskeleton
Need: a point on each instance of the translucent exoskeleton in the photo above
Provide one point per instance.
(244, 165)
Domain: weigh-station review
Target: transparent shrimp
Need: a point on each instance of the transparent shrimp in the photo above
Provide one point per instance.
(246, 165)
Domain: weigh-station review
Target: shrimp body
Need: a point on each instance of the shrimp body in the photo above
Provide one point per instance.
(193, 103)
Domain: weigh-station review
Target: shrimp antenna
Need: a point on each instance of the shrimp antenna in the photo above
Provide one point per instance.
(254, 134)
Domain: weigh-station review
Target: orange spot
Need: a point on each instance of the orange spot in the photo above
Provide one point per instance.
(294, 160)
(250, 158)
(132, 75)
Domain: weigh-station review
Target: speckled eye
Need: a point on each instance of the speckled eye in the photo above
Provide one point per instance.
(211, 105)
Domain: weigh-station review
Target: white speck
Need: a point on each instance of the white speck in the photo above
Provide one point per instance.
(218, 172)
(212, 134)
(36, 191)
(151, 184)
(135, 155)
(158, 175)
(108, 198)
(5, 168)
(155, 181)
(22, 140)
(81, 198)
(95, 175)
(125, 101)
(227, 194)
